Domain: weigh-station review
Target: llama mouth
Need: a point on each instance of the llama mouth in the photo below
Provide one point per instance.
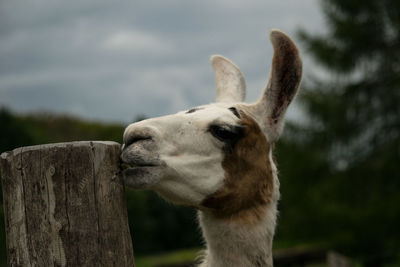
(141, 176)
(135, 156)
(126, 166)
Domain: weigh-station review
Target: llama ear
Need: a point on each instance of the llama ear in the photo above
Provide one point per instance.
(282, 86)
(231, 86)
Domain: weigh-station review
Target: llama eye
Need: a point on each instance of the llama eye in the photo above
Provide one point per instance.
(191, 110)
(226, 133)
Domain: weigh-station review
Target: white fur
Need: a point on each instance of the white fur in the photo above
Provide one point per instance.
(189, 157)
(179, 158)
(236, 244)
(230, 82)
(232, 243)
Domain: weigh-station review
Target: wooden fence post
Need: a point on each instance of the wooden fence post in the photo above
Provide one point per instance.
(64, 205)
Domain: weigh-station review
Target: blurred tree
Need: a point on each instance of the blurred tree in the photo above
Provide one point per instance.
(158, 226)
(355, 127)
(13, 132)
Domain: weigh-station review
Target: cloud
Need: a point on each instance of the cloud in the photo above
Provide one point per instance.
(137, 42)
(135, 57)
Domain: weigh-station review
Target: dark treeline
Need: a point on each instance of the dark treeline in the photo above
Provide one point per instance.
(350, 150)
(339, 172)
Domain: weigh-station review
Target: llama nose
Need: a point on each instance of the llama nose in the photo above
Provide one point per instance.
(136, 138)
(136, 135)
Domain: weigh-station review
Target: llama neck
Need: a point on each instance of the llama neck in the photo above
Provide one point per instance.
(233, 243)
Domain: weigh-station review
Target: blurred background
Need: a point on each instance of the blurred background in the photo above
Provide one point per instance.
(83, 70)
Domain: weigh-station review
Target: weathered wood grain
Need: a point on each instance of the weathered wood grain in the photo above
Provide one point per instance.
(64, 205)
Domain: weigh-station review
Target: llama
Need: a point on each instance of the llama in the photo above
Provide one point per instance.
(218, 159)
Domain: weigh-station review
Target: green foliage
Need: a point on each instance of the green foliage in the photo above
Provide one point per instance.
(352, 146)
(180, 257)
(48, 128)
(302, 171)
(13, 132)
(158, 226)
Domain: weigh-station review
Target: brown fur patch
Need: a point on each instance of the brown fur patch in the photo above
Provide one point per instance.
(248, 183)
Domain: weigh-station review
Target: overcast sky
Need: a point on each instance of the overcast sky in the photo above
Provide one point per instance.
(113, 60)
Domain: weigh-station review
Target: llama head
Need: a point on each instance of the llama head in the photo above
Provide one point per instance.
(217, 157)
